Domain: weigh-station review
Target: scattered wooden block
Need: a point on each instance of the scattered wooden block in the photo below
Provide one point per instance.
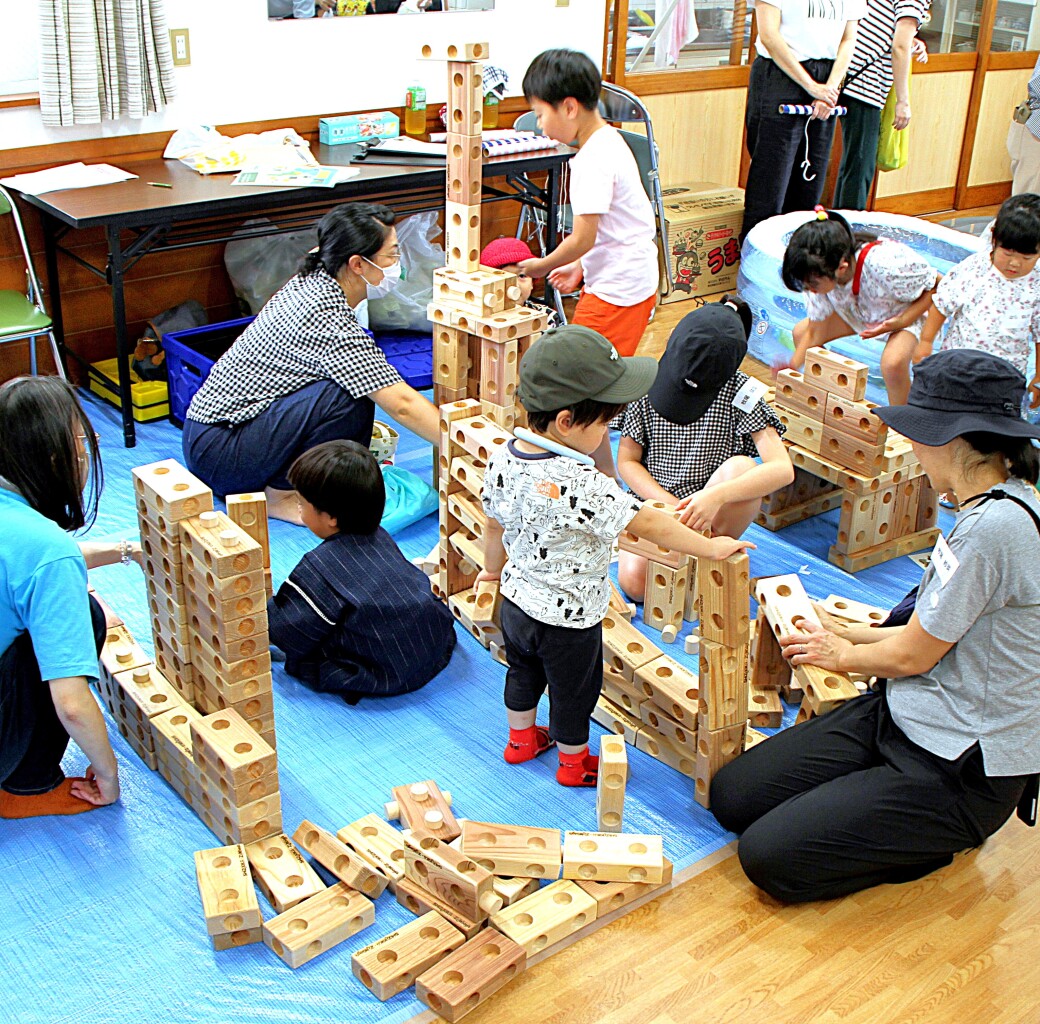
(422, 805)
(281, 872)
(414, 898)
(317, 924)
(611, 896)
(546, 917)
(515, 851)
(379, 843)
(513, 889)
(450, 875)
(336, 857)
(836, 374)
(235, 939)
(610, 783)
(613, 857)
(226, 889)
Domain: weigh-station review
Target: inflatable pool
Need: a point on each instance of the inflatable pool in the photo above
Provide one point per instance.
(776, 309)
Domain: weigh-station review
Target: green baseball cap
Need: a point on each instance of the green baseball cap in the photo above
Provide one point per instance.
(571, 363)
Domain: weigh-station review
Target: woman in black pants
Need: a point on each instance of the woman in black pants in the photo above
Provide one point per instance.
(888, 787)
(51, 629)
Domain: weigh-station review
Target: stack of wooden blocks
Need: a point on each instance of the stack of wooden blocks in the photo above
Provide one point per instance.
(887, 506)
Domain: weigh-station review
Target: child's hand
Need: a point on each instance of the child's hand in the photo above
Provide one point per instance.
(484, 576)
(722, 547)
(1034, 392)
(699, 510)
(534, 267)
(876, 330)
(567, 278)
(782, 363)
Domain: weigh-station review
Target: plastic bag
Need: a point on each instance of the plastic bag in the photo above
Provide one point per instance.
(893, 149)
(258, 267)
(409, 498)
(405, 306)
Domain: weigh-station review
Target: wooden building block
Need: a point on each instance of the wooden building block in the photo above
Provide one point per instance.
(504, 416)
(444, 395)
(860, 456)
(462, 235)
(156, 544)
(148, 690)
(167, 493)
(457, 52)
(752, 738)
(546, 917)
(801, 430)
(610, 783)
(237, 754)
(666, 590)
(798, 513)
(611, 896)
(226, 889)
(317, 924)
(414, 898)
(904, 515)
(480, 292)
(672, 687)
(856, 419)
(268, 809)
(723, 685)
(391, 964)
(249, 511)
(450, 357)
(795, 393)
(887, 550)
(618, 604)
(927, 506)
(381, 845)
(228, 610)
(485, 608)
(217, 543)
(465, 169)
(422, 805)
(859, 521)
(513, 889)
(622, 692)
(715, 749)
(465, 98)
(498, 372)
(724, 600)
(624, 647)
(661, 726)
(784, 603)
(853, 611)
(769, 670)
(168, 603)
(175, 669)
(237, 680)
(282, 873)
(823, 688)
(478, 437)
(846, 478)
(235, 939)
(172, 732)
(228, 628)
(515, 851)
(613, 857)
(506, 325)
(204, 583)
(334, 855)
(836, 374)
(764, 707)
(616, 720)
(450, 875)
(647, 549)
(470, 975)
(661, 750)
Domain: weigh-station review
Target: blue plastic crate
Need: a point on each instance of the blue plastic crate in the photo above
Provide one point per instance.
(411, 354)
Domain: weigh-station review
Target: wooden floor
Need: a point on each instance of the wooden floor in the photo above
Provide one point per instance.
(961, 946)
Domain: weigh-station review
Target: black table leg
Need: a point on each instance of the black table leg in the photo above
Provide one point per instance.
(53, 303)
(552, 187)
(115, 280)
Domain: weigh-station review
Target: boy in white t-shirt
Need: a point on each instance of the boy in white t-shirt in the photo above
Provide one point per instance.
(551, 521)
(613, 243)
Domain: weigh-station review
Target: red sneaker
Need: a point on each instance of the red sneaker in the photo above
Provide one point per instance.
(527, 744)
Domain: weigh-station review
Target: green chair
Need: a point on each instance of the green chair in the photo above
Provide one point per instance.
(22, 316)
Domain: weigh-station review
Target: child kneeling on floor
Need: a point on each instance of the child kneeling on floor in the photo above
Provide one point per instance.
(355, 617)
(552, 518)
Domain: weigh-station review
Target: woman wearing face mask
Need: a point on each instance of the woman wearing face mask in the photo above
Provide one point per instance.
(304, 371)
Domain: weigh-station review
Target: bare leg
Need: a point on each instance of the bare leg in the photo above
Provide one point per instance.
(631, 574)
(808, 334)
(895, 365)
(521, 719)
(283, 505)
(734, 517)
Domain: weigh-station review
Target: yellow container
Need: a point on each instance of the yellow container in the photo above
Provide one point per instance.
(151, 398)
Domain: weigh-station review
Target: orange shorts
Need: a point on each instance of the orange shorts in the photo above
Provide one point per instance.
(622, 326)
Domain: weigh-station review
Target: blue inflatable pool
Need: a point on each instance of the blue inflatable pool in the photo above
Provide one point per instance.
(776, 309)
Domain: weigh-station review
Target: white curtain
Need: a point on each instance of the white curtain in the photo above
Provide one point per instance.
(103, 59)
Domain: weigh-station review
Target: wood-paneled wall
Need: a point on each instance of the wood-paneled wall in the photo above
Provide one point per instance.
(1001, 93)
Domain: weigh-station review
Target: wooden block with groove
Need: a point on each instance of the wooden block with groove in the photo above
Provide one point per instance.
(611, 896)
(724, 600)
(715, 748)
(462, 236)
(515, 851)
(856, 419)
(414, 898)
(610, 783)
(837, 374)
(334, 855)
(457, 52)
(764, 707)
(380, 844)
(667, 753)
(801, 430)
(794, 392)
(236, 753)
(391, 964)
(624, 647)
(470, 975)
(465, 182)
(450, 875)
(546, 917)
(168, 491)
(723, 685)
(281, 872)
(249, 511)
(666, 590)
(422, 805)
(226, 889)
(315, 925)
(613, 857)
(672, 687)
(223, 547)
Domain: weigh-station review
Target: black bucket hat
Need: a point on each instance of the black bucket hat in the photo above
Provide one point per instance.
(704, 351)
(958, 391)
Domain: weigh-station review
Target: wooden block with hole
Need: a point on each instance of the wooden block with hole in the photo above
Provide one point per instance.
(613, 857)
(624, 647)
(795, 393)
(204, 583)
(282, 872)
(659, 725)
(618, 605)
(422, 805)
(666, 590)
(498, 372)
(863, 457)
(391, 964)
(337, 858)
(610, 783)
(156, 545)
(455, 52)
(504, 416)
(450, 875)
(752, 738)
(672, 687)
(148, 690)
(647, 549)
(853, 611)
(465, 98)
(611, 896)
(249, 511)
(837, 374)
(450, 358)
(802, 430)
(229, 902)
(477, 437)
(317, 924)
(798, 513)
(223, 547)
(824, 689)
(465, 183)
(546, 917)
(621, 691)
(785, 604)
(513, 889)
(470, 975)
(266, 808)
(414, 898)
(723, 685)
(480, 292)
(121, 653)
(166, 490)
(462, 236)
(234, 751)
(617, 720)
(237, 680)
(724, 600)
(514, 851)
(469, 473)
(172, 732)
(683, 761)
(486, 604)
(380, 844)
(504, 326)
(714, 750)
(856, 419)
(764, 708)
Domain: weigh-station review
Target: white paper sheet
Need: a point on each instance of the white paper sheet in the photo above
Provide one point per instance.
(78, 175)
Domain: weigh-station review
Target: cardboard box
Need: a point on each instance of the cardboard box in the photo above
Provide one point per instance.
(381, 124)
(703, 227)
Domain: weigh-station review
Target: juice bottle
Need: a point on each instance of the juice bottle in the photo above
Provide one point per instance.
(415, 110)
(490, 118)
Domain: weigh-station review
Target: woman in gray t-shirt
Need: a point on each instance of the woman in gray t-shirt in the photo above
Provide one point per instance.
(890, 786)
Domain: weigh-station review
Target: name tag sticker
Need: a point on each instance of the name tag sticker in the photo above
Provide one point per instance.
(749, 394)
(944, 560)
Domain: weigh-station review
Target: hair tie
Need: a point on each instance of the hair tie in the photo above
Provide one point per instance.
(821, 213)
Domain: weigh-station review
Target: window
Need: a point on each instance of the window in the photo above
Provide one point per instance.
(685, 36)
(19, 48)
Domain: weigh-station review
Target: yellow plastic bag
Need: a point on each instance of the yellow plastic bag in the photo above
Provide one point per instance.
(893, 149)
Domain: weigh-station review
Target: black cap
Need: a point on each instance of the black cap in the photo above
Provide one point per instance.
(705, 350)
(958, 391)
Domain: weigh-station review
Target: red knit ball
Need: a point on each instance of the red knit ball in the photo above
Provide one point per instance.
(503, 251)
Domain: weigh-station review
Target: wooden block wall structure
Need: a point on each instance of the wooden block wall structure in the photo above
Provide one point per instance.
(870, 472)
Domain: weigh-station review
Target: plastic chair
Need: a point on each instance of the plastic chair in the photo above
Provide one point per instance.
(22, 315)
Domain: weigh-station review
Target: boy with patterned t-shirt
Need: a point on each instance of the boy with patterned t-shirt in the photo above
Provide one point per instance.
(552, 518)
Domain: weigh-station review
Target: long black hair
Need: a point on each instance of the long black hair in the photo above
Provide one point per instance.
(1019, 453)
(352, 229)
(817, 249)
(40, 422)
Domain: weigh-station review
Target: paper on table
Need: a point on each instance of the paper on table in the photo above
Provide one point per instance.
(78, 175)
(295, 177)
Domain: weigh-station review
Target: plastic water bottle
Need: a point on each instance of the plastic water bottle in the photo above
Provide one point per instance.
(415, 109)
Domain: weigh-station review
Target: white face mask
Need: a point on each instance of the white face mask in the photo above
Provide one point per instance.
(391, 276)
